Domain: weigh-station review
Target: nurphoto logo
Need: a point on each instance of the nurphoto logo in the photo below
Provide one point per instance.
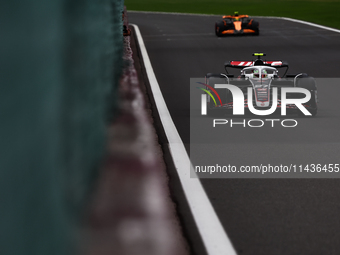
(239, 104)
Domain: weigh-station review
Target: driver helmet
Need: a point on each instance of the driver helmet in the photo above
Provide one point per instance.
(264, 74)
(236, 18)
(256, 73)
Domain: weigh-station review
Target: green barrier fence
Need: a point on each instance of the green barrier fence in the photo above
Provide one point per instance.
(59, 68)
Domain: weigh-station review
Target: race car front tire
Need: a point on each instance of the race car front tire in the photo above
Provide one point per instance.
(255, 27)
(219, 27)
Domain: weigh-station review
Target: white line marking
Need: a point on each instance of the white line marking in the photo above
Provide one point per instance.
(303, 22)
(312, 24)
(175, 13)
(210, 228)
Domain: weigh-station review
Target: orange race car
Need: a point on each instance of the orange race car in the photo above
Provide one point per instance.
(236, 25)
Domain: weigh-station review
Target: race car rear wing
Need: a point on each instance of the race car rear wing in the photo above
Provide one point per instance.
(234, 16)
(243, 64)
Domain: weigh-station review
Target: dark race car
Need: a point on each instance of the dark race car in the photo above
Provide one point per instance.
(236, 25)
(260, 78)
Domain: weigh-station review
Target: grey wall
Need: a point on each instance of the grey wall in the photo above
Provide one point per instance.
(59, 67)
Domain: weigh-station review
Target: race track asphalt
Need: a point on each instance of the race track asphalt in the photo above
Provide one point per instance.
(261, 216)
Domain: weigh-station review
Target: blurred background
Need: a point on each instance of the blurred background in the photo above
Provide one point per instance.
(60, 63)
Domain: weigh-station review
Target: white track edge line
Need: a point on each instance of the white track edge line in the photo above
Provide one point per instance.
(174, 13)
(213, 235)
(312, 24)
(266, 17)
